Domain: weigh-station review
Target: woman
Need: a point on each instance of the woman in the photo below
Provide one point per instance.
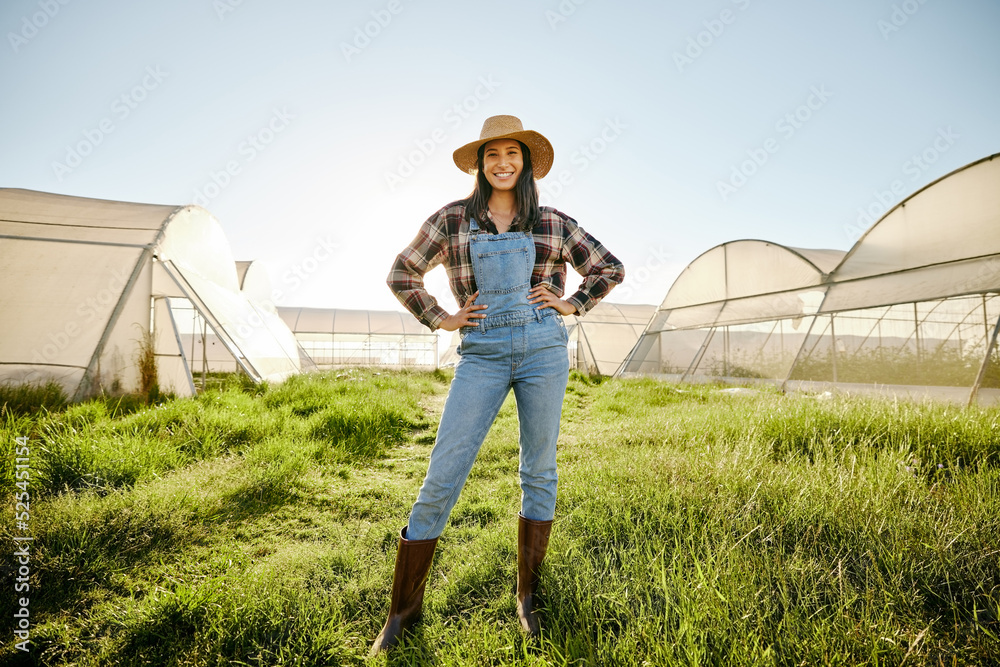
(506, 261)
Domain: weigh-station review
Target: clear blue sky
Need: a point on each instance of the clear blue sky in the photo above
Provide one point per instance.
(320, 133)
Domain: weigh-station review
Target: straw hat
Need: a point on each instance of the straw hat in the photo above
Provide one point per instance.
(507, 127)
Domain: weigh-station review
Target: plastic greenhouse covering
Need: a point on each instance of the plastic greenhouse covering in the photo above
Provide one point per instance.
(209, 353)
(600, 341)
(86, 281)
(338, 337)
(912, 308)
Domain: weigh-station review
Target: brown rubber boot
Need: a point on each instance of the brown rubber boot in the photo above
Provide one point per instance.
(532, 541)
(413, 565)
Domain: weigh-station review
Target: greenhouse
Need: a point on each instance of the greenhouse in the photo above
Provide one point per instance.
(336, 337)
(599, 342)
(208, 353)
(911, 309)
(98, 293)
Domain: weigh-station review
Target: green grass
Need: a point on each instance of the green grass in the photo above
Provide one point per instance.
(23, 399)
(257, 526)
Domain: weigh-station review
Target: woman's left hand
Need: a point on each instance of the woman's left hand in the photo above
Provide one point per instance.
(540, 294)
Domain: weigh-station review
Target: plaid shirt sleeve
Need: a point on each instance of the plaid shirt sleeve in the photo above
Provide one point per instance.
(600, 269)
(406, 278)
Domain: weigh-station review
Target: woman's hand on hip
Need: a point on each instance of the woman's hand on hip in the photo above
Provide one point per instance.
(466, 317)
(540, 294)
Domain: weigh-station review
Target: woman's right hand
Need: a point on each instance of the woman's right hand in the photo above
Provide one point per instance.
(466, 317)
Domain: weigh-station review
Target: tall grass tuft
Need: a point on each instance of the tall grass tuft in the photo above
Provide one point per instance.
(149, 383)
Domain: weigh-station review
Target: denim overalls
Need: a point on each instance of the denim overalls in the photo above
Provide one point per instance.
(519, 347)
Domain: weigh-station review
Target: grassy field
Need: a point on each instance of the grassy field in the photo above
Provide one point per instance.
(694, 526)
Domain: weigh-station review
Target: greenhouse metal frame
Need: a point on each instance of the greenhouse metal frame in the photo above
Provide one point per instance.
(603, 338)
(912, 308)
(335, 338)
(88, 281)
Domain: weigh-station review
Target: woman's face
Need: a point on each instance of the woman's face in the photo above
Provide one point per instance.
(502, 163)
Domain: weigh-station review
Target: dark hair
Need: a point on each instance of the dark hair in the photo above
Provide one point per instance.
(525, 194)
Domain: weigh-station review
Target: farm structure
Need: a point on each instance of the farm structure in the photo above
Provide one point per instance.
(333, 337)
(95, 290)
(208, 353)
(913, 308)
(600, 341)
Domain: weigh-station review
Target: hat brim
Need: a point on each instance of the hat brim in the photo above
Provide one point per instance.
(466, 157)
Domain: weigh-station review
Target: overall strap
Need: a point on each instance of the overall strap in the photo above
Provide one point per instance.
(473, 227)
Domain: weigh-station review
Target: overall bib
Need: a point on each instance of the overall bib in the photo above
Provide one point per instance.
(516, 346)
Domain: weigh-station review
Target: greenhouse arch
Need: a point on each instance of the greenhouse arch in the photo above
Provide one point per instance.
(91, 286)
(912, 308)
(337, 337)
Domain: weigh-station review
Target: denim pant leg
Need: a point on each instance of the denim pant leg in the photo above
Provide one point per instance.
(477, 392)
(539, 387)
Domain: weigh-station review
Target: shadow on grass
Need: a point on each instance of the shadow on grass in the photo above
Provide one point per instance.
(111, 547)
(266, 623)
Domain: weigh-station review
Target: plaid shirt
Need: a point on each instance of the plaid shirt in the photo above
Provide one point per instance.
(444, 239)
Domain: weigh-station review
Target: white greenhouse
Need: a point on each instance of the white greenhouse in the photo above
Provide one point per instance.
(600, 341)
(337, 337)
(208, 353)
(86, 281)
(913, 308)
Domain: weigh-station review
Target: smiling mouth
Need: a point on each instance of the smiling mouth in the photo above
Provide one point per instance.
(504, 174)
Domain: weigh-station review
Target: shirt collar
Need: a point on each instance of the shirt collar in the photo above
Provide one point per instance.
(488, 224)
